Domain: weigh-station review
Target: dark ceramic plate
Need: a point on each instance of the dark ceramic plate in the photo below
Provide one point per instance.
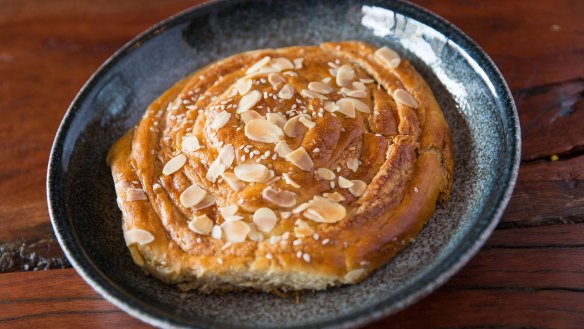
(470, 89)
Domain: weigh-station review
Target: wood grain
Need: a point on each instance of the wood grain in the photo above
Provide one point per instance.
(528, 275)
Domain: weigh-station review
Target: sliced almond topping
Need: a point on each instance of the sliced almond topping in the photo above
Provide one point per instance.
(359, 105)
(307, 122)
(192, 196)
(286, 92)
(243, 85)
(190, 144)
(282, 149)
(300, 208)
(335, 196)
(135, 194)
(302, 229)
(300, 159)
(228, 210)
(254, 234)
(326, 173)
(290, 181)
(354, 275)
(405, 98)
(344, 183)
(220, 120)
(248, 101)
(292, 128)
(265, 219)
(358, 187)
(279, 197)
(227, 155)
(174, 164)
(367, 80)
(346, 106)
(269, 69)
(201, 225)
(235, 183)
(276, 118)
(215, 170)
(298, 63)
(137, 236)
(311, 94)
(345, 75)
(353, 164)
(216, 232)
(359, 85)
(387, 57)
(235, 231)
(258, 65)
(232, 218)
(331, 107)
(275, 79)
(320, 87)
(208, 201)
(357, 93)
(251, 172)
(249, 115)
(323, 210)
(282, 63)
(261, 130)
(285, 214)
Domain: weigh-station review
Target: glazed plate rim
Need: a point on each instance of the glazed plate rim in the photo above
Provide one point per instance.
(458, 257)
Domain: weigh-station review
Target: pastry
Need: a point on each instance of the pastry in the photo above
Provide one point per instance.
(283, 169)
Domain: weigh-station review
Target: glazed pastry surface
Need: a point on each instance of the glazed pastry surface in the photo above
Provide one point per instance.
(283, 169)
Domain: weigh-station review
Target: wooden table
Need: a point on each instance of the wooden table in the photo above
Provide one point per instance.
(529, 274)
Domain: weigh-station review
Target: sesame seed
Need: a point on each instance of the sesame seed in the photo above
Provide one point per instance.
(325, 241)
(299, 254)
(306, 258)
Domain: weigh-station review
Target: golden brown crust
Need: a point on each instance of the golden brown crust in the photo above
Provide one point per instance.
(402, 153)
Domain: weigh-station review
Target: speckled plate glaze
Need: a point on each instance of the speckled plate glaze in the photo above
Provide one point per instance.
(470, 89)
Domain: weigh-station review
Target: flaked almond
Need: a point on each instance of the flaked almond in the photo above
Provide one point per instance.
(276, 118)
(220, 120)
(311, 94)
(232, 218)
(323, 210)
(307, 122)
(292, 128)
(275, 79)
(300, 208)
(353, 164)
(298, 63)
(201, 225)
(248, 101)
(344, 183)
(227, 155)
(359, 187)
(215, 170)
(357, 93)
(302, 229)
(135, 194)
(358, 85)
(290, 181)
(359, 105)
(216, 232)
(249, 115)
(279, 197)
(287, 92)
(354, 275)
(190, 144)
(236, 231)
(251, 172)
(207, 201)
(285, 214)
(138, 236)
(192, 196)
(334, 196)
(243, 85)
(282, 149)
(269, 69)
(320, 87)
(228, 210)
(235, 183)
(258, 65)
(174, 164)
(345, 75)
(300, 159)
(331, 107)
(254, 234)
(265, 219)
(346, 106)
(325, 173)
(387, 57)
(405, 98)
(261, 130)
(282, 63)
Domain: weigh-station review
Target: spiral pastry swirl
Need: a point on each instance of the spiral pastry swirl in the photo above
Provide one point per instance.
(288, 169)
